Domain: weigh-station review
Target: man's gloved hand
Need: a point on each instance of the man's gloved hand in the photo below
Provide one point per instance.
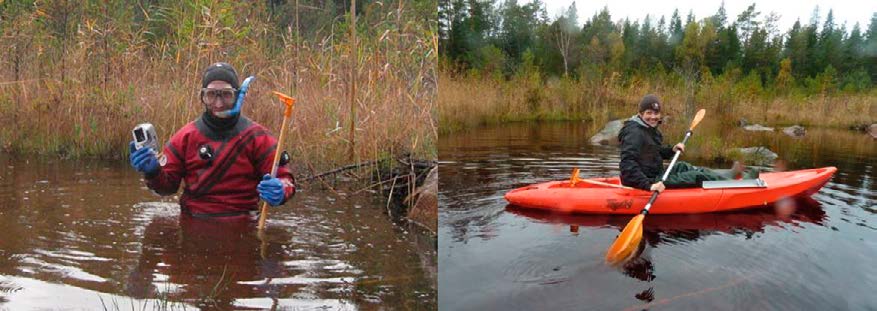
(271, 190)
(143, 160)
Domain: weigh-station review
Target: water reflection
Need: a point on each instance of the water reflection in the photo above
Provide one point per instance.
(682, 229)
(658, 229)
(197, 259)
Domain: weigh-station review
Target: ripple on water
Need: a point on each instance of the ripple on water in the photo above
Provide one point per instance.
(36, 266)
(19, 293)
(330, 265)
(296, 304)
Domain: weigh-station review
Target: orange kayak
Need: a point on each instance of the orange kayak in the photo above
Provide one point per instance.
(605, 195)
(806, 210)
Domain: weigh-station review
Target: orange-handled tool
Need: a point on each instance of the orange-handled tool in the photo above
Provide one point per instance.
(288, 102)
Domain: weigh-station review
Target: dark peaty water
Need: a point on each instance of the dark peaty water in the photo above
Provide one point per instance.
(496, 257)
(89, 235)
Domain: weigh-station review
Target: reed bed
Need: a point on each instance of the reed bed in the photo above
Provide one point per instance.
(77, 77)
(469, 100)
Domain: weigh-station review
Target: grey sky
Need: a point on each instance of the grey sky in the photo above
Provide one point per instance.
(845, 11)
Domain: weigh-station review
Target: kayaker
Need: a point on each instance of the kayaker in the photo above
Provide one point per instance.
(643, 152)
(224, 161)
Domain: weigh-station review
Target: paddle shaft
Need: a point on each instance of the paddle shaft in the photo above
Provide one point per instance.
(263, 214)
(666, 174)
(631, 236)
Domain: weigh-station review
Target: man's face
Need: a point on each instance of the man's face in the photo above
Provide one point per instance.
(218, 96)
(651, 117)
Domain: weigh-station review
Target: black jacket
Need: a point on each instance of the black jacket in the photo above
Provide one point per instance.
(642, 153)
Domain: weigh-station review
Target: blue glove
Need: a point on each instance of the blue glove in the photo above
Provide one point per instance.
(143, 160)
(271, 190)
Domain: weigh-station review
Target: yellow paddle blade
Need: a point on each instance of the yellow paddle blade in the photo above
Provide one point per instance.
(574, 178)
(627, 241)
(697, 118)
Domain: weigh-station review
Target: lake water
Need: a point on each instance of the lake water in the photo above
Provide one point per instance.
(497, 257)
(85, 235)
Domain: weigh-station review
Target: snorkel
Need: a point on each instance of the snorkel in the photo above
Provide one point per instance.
(240, 100)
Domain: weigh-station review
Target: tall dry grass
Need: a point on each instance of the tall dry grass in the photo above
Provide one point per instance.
(76, 77)
(468, 100)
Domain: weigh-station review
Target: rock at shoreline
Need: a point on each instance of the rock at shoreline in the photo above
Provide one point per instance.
(757, 127)
(757, 155)
(424, 211)
(795, 131)
(873, 131)
(860, 127)
(609, 134)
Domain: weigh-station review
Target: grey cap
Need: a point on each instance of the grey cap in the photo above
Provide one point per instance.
(220, 72)
(650, 101)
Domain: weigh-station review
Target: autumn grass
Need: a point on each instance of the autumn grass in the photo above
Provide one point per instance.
(81, 97)
(466, 102)
(470, 100)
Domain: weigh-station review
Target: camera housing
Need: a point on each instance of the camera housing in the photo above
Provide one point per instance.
(144, 136)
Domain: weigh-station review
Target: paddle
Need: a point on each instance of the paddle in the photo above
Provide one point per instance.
(289, 102)
(630, 237)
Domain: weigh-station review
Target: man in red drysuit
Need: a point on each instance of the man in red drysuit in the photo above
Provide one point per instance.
(223, 161)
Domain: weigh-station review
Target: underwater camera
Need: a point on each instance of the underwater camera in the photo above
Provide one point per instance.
(144, 136)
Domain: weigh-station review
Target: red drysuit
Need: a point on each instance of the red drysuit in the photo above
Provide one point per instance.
(220, 170)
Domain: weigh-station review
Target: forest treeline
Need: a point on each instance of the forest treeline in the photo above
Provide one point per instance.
(541, 67)
(505, 37)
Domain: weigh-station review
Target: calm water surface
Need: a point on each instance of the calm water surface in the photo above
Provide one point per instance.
(497, 257)
(89, 235)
